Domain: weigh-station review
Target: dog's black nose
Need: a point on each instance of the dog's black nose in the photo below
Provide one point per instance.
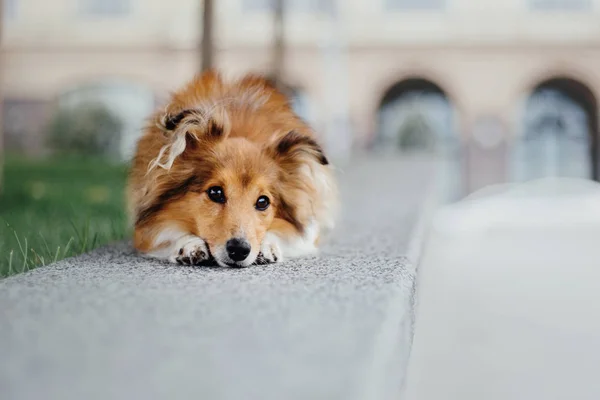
(238, 249)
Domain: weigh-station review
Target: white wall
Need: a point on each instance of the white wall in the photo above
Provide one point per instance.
(176, 24)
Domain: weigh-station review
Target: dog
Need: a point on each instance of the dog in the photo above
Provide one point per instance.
(229, 173)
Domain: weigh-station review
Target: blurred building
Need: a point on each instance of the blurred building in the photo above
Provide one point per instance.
(502, 83)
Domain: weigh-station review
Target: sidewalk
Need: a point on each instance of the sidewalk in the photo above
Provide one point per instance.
(110, 325)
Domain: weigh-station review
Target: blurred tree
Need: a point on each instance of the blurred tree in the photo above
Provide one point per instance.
(89, 129)
(207, 45)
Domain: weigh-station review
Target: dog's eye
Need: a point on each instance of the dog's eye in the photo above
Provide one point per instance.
(216, 194)
(262, 203)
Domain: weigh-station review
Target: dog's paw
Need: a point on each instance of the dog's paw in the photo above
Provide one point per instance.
(270, 250)
(191, 251)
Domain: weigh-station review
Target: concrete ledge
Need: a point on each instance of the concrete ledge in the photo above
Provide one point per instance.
(110, 325)
(508, 296)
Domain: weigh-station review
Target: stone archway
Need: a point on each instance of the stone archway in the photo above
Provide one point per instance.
(558, 134)
(410, 116)
(415, 115)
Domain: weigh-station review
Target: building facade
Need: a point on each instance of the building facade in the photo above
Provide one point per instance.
(348, 59)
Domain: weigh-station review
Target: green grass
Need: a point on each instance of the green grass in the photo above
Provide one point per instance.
(53, 209)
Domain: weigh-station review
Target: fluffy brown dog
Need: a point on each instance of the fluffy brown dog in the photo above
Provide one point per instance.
(229, 171)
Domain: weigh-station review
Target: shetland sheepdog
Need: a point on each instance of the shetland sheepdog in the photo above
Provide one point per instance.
(229, 173)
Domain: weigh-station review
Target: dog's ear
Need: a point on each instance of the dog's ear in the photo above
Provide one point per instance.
(210, 127)
(187, 131)
(195, 127)
(172, 121)
(294, 145)
(296, 186)
(209, 133)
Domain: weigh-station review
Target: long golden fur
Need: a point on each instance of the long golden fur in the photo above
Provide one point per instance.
(207, 165)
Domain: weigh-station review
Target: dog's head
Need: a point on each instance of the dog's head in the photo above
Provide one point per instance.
(230, 199)
(227, 188)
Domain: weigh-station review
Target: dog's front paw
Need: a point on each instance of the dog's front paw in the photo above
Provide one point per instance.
(191, 251)
(270, 250)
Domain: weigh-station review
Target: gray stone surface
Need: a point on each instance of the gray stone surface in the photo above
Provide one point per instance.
(508, 303)
(109, 325)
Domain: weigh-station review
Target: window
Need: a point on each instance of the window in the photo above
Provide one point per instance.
(310, 6)
(414, 5)
(10, 9)
(104, 8)
(560, 5)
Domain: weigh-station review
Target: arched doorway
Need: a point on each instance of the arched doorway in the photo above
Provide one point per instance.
(131, 103)
(416, 116)
(558, 133)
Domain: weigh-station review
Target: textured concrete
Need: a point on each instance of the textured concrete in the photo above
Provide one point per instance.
(508, 303)
(338, 326)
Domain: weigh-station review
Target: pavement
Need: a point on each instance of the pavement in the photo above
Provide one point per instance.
(109, 324)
